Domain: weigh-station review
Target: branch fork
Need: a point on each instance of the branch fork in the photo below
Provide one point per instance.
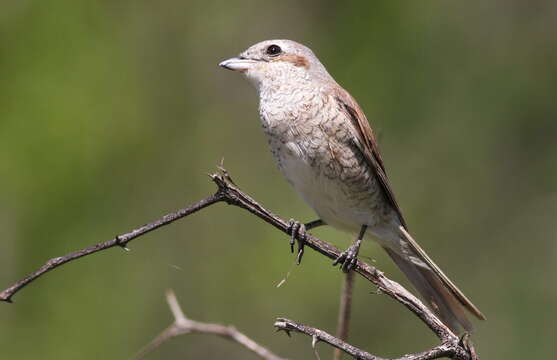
(183, 325)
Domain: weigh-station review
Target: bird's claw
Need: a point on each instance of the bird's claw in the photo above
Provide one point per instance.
(348, 258)
(293, 228)
(297, 231)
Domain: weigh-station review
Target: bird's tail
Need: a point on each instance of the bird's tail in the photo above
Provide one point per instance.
(441, 295)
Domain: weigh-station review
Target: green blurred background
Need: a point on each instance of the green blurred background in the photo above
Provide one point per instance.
(113, 112)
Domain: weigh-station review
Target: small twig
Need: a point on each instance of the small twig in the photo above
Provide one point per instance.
(183, 325)
(345, 309)
(466, 342)
(443, 350)
(120, 241)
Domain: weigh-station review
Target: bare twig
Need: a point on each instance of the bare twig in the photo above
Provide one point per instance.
(120, 241)
(344, 311)
(444, 350)
(230, 194)
(182, 325)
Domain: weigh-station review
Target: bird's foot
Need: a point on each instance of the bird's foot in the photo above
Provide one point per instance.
(297, 231)
(348, 258)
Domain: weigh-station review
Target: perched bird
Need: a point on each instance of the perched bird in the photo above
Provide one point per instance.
(326, 149)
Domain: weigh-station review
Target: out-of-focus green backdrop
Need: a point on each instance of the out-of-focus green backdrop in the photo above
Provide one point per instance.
(113, 112)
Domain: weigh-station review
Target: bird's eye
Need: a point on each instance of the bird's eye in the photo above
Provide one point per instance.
(274, 50)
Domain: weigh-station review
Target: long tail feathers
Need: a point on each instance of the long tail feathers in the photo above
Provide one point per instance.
(442, 296)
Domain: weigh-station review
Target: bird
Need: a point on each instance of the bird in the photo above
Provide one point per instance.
(327, 150)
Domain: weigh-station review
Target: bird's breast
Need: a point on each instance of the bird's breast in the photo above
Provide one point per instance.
(313, 149)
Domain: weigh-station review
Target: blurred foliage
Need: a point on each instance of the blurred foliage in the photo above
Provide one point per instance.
(113, 112)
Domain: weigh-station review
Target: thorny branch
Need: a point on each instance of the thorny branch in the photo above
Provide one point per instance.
(229, 193)
(443, 350)
(182, 325)
(120, 241)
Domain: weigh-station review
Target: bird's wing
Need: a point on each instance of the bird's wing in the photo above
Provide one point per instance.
(367, 144)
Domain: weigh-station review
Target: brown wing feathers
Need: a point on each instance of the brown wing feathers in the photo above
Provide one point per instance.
(368, 146)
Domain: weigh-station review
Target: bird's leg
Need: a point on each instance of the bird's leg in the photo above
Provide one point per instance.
(349, 257)
(298, 231)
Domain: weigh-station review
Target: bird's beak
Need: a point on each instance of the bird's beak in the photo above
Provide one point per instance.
(238, 64)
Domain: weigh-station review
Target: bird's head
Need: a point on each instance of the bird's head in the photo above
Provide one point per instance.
(272, 62)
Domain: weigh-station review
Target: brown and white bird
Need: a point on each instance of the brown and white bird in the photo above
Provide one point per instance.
(326, 149)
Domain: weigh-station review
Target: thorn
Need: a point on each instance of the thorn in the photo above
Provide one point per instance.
(467, 344)
(376, 292)
(299, 257)
(213, 176)
(285, 330)
(122, 243)
(463, 339)
(224, 173)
